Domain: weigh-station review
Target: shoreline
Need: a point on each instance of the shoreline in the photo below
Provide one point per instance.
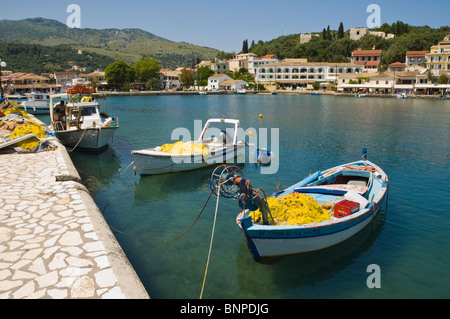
(281, 92)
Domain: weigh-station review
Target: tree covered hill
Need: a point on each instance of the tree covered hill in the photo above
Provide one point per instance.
(329, 47)
(35, 58)
(128, 45)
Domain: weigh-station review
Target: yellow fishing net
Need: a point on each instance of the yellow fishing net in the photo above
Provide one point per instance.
(294, 209)
(185, 148)
(31, 143)
(14, 108)
(21, 126)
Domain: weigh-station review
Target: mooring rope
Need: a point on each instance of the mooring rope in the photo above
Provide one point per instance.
(211, 242)
(79, 141)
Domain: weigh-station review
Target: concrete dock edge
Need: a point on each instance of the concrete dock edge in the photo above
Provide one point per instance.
(54, 241)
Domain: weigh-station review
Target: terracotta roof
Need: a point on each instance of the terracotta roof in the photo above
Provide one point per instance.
(416, 54)
(397, 65)
(216, 76)
(367, 53)
(372, 63)
(14, 76)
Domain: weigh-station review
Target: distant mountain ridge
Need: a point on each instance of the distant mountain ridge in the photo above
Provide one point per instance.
(127, 44)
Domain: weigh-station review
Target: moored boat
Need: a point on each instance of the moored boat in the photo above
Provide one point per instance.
(78, 123)
(344, 200)
(36, 104)
(207, 150)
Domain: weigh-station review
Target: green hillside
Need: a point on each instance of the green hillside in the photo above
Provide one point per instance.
(128, 45)
(330, 48)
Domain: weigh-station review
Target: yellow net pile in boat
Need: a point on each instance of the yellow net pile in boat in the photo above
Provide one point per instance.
(294, 209)
(181, 148)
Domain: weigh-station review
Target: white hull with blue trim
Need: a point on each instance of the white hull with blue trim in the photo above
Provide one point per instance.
(221, 149)
(360, 181)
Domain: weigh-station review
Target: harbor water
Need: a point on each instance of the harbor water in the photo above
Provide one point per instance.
(408, 138)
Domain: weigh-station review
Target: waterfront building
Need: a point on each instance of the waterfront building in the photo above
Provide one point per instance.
(27, 83)
(254, 62)
(438, 59)
(64, 78)
(233, 85)
(389, 82)
(298, 74)
(97, 77)
(369, 59)
(170, 80)
(215, 80)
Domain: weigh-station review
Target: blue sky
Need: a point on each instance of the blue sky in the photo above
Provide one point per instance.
(223, 25)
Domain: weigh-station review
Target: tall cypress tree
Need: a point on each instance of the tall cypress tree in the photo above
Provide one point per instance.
(245, 46)
(341, 31)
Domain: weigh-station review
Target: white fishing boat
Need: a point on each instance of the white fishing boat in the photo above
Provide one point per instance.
(36, 104)
(209, 149)
(78, 123)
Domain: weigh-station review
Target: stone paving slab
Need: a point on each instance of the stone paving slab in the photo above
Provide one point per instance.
(54, 241)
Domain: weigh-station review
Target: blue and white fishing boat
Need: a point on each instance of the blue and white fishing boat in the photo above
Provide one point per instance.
(361, 184)
(36, 104)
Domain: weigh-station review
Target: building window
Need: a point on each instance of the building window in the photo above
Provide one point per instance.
(331, 70)
(303, 71)
(311, 70)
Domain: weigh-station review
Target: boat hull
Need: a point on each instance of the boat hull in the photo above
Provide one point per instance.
(90, 139)
(36, 110)
(289, 241)
(266, 241)
(151, 162)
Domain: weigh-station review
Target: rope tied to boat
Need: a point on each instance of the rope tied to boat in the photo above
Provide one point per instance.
(79, 141)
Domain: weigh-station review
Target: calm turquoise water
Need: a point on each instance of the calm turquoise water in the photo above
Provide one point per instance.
(409, 241)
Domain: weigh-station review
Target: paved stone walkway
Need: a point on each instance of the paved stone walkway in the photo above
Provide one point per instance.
(54, 242)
